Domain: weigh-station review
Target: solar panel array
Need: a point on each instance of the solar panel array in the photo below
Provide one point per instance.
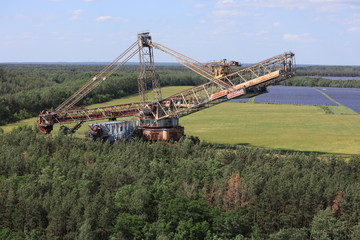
(349, 97)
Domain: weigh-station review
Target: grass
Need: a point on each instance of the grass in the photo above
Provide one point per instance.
(341, 109)
(275, 126)
(10, 126)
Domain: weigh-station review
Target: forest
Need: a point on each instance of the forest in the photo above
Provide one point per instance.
(60, 187)
(326, 70)
(26, 89)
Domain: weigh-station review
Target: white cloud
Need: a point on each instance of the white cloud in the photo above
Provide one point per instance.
(75, 14)
(302, 37)
(22, 36)
(219, 30)
(220, 21)
(103, 18)
(353, 29)
(261, 33)
(322, 5)
(258, 36)
(290, 36)
(261, 4)
(353, 19)
(199, 6)
(21, 16)
(227, 13)
(347, 2)
(225, 19)
(58, 36)
(276, 24)
(227, 4)
(110, 18)
(26, 35)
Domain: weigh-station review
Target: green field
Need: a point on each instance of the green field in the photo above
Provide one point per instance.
(279, 126)
(276, 126)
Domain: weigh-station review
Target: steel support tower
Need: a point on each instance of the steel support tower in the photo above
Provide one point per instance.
(147, 69)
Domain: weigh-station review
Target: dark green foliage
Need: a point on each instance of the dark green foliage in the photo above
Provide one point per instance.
(58, 187)
(325, 226)
(232, 223)
(290, 233)
(303, 81)
(335, 71)
(326, 109)
(321, 72)
(26, 89)
(128, 226)
(7, 234)
(355, 234)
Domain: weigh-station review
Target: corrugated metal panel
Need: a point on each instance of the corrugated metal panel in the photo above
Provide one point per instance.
(117, 130)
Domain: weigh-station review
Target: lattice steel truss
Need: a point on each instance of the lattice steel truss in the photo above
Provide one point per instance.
(247, 80)
(147, 69)
(219, 89)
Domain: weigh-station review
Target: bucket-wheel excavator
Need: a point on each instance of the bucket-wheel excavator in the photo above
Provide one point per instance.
(159, 119)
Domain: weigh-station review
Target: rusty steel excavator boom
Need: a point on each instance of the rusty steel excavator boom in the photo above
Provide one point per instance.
(159, 119)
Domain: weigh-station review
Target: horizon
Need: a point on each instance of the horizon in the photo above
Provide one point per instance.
(156, 63)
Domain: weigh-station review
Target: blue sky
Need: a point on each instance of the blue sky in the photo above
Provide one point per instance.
(318, 31)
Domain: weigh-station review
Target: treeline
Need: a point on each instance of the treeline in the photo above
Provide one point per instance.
(334, 71)
(58, 187)
(320, 82)
(26, 89)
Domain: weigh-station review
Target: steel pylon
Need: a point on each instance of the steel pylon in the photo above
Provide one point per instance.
(147, 69)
